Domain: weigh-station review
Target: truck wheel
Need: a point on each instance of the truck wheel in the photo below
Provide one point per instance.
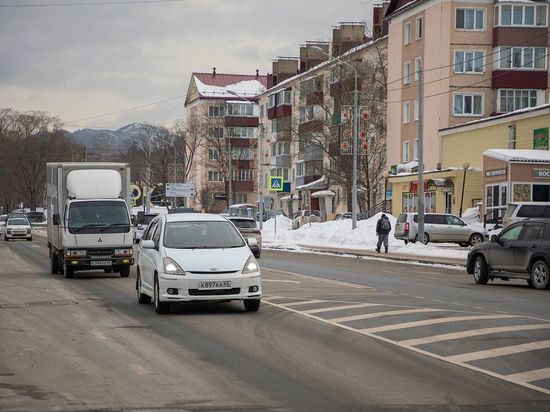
(124, 271)
(54, 263)
(68, 271)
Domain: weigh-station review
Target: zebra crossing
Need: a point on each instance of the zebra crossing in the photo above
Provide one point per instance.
(510, 347)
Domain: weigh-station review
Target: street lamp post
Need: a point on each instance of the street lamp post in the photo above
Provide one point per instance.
(354, 134)
(465, 166)
(385, 175)
(259, 172)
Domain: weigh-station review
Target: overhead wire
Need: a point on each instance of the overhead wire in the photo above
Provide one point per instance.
(88, 3)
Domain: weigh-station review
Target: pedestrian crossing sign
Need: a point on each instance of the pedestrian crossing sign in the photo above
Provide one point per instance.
(276, 183)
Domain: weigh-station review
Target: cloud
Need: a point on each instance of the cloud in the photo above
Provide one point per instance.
(78, 62)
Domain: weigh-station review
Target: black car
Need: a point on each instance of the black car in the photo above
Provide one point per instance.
(520, 251)
(36, 217)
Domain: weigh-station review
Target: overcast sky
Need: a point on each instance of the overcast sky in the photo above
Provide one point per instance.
(81, 62)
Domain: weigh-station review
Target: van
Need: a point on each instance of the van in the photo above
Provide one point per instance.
(439, 227)
(516, 212)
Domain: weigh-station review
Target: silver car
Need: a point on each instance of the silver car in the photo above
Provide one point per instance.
(439, 227)
(516, 212)
(302, 217)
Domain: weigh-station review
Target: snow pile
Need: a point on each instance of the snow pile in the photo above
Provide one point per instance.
(471, 216)
(242, 88)
(339, 234)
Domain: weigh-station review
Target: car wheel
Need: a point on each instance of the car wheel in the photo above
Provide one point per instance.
(481, 275)
(141, 297)
(426, 238)
(539, 275)
(68, 271)
(476, 239)
(251, 305)
(257, 254)
(6, 239)
(160, 307)
(406, 242)
(29, 239)
(54, 263)
(124, 271)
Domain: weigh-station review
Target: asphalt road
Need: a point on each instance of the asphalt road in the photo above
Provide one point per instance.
(332, 334)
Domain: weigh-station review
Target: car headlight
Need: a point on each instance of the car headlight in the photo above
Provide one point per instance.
(8, 230)
(251, 266)
(171, 267)
(76, 253)
(28, 231)
(124, 252)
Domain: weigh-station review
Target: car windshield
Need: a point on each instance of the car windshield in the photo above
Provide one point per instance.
(146, 219)
(244, 223)
(533, 211)
(98, 217)
(201, 235)
(402, 218)
(18, 222)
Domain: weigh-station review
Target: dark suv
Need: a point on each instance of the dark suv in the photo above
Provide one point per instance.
(520, 251)
(35, 217)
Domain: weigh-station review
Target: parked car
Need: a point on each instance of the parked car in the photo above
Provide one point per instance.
(439, 227)
(249, 229)
(521, 251)
(196, 257)
(516, 212)
(343, 216)
(302, 217)
(142, 224)
(17, 228)
(181, 210)
(36, 217)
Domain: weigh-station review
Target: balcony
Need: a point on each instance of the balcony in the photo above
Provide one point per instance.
(519, 79)
(279, 111)
(283, 136)
(240, 142)
(313, 153)
(243, 186)
(240, 121)
(310, 126)
(281, 161)
(304, 180)
(526, 36)
(241, 164)
(344, 86)
(314, 98)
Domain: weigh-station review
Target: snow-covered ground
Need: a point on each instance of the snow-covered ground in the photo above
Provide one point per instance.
(339, 234)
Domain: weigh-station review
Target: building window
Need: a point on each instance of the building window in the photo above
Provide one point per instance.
(240, 198)
(468, 104)
(242, 132)
(419, 27)
(300, 169)
(469, 61)
(309, 113)
(213, 154)
(470, 19)
(283, 97)
(242, 153)
(406, 73)
(520, 15)
(522, 58)
(417, 67)
(215, 132)
(406, 112)
(416, 110)
(405, 155)
(214, 176)
(415, 149)
(243, 174)
(407, 33)
(240, 109)
(215, 111)
(271, 101)
(280, 148)
(515, 99)
(281, 171)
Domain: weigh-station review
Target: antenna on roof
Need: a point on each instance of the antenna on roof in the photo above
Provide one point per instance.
(213, 71)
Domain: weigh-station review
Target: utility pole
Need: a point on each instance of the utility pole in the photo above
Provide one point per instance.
(420, 154)
(260, 193)
(148, 177)
(175, 169)
(230, 172)
(355, 138)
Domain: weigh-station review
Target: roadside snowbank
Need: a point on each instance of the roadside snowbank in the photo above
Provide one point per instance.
(339, 234)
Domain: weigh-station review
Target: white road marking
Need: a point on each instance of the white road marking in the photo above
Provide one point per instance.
(433, 322)
(282, 281)
(506, 350)
(381, 314)
(303, 302)
(354, 306)
(319, 279)
(471, 333)
(530, 376)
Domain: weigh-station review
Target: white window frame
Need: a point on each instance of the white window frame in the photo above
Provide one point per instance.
(419, 34)
(212, 132)
(417, 64)
(407, 33)
(416, 110)
(271, 100)
(515, 98)
(300, 168)
(407, 72)
(213, 154)
(484, 24)
(211, 174)
(405, 151)
(502, 64)
(415, 149)
(406, 112)
(213, 108)
(473, 95)
(537, 10)
(465, 60)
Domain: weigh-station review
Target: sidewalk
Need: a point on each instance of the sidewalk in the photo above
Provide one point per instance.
(372, 253)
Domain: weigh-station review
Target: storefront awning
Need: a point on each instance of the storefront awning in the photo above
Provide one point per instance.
(323, 193)
(316, 184)
(290, 197)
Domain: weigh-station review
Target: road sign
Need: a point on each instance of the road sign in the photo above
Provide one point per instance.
(276, 183)
(180, 190)
(135, 194)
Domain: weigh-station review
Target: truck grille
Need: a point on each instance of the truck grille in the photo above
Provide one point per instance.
(100, 252)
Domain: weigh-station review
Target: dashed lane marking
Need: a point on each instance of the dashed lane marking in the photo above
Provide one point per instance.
(506, 350)
(381, 314)
(336, 308)
(282, 281)
(304, 302)
(471, 333)
(531, 376)
(319, 279)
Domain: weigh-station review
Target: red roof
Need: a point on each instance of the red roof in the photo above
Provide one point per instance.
(222, 79)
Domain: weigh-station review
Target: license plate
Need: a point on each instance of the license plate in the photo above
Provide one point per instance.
(215, 284)
(100, 263)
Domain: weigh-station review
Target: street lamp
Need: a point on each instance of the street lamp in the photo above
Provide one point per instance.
(465, 166)
(385, 175)
(354, 133)
(260, 194)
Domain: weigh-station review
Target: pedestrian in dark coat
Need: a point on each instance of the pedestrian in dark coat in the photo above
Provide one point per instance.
(383, 228)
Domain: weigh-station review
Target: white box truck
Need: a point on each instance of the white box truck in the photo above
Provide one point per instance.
(88, 217)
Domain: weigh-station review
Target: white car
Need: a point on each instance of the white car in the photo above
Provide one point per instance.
(17, 228)
(142, 225)
(196, 257)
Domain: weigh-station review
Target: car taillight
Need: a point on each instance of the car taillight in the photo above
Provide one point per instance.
(406, 228)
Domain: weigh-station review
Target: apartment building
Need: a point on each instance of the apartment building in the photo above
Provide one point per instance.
(223, 117)
(479, 58)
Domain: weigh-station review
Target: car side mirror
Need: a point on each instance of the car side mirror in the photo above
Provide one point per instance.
(147, 244)
(56, 219)
(252, 242)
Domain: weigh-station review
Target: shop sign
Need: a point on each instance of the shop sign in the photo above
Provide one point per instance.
(393, 169)
(541, 173)
(540, 139)
(414, 187)
(496, 172)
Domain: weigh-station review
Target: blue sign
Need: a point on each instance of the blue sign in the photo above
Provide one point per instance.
(276, 183)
